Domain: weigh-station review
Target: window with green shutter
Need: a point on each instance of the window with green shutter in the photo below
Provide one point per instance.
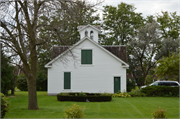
(86, 56)
(67, 80)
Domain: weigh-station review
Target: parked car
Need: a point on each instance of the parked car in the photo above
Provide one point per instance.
(163, 83)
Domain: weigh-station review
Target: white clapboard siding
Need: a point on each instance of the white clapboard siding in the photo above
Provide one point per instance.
(95, 78)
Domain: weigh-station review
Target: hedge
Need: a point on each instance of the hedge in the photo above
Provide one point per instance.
(160, 91)
(84, 98)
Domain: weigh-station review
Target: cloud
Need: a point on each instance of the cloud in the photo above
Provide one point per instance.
(149, 7)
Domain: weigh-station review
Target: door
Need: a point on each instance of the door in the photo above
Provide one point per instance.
(117, 84)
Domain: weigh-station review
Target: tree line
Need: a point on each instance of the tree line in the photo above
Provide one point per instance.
(29, 29)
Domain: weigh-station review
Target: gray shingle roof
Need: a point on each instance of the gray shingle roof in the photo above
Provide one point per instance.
(119, 51)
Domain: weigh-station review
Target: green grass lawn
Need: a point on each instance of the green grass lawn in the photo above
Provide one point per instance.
(133, 107)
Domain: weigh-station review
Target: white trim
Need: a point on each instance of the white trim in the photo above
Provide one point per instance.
(86, 38)
(125, 67)
(116, 75)
(87, 48)
(66, 71)
(66, 90)
(86, 65)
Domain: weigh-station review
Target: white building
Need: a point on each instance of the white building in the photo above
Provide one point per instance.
(87, 66)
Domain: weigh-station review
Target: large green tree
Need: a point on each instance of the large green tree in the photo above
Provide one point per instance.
(168, 67)
(61, 27)
(7, 77)
(120, 24)
(143, 49)
(19, 31)
(43, 58)
(169, 26)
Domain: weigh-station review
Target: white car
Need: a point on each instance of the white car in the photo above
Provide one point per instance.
(163, 83)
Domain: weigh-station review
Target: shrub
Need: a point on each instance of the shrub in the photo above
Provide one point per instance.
(4, 105)
(159, 113)
(121, 95)
(136, 89)
(82, 94)
(136, 94)
(130, 85)
(79, 97)
(160, 91)
(75, 111)
(41, 84)
(91, 98)
(149, 79)
(22, 83)
(106, 94)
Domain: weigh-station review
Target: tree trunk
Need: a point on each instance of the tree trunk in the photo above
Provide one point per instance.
(13, 88)
(143, 80)
(12, 91)
(32, 94)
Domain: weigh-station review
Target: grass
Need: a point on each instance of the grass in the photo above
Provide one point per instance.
(133, 107)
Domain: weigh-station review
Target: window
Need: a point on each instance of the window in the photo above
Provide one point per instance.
(173, 84)
(67, 80)
(86, 33)
(91, 35)
(86, 56)
(155, 84)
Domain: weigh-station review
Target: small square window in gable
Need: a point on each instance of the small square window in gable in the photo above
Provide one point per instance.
(86, 56)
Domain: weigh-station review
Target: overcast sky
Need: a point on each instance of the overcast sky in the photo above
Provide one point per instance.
(149, 7)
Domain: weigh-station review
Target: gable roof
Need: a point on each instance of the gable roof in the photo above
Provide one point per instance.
(114, 51)
(57, 50)
(118, 51)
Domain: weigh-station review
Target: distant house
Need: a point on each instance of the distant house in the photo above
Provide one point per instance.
(87, 66)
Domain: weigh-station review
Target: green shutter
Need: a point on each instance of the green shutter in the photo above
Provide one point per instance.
(67, 80)
(89, 57)
(83, 56)
(86, 56)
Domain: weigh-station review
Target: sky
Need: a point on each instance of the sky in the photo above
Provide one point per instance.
(149, 7)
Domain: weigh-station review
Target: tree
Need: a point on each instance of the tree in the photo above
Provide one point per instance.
(168, 68)
(149, 79)
(120, 24)
(7, 76)
(19, 31)
(15, 74)
(169, 27)
(43, 58)
(169, 24)
(143, 48)
(169, 45)
(62, 26)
